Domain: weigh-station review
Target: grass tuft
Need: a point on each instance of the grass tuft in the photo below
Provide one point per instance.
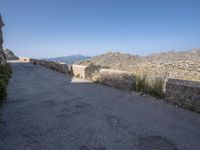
(153, 87)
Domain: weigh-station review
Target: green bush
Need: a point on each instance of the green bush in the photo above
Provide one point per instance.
(5, 74)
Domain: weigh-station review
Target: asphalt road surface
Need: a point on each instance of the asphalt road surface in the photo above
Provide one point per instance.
(48, 110)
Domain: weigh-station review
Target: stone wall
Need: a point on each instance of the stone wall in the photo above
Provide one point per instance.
(117, 79)
(85, 72)
(60, 67)
(183, 93)
(2, 55)
(79, 71)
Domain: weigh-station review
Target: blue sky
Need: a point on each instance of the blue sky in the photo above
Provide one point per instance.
(49, 28)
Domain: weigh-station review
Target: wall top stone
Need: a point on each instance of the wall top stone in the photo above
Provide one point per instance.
(79, 66)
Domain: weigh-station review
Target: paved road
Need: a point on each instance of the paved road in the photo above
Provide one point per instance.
(47, 110)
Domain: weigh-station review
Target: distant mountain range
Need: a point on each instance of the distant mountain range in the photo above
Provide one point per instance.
(68, 59)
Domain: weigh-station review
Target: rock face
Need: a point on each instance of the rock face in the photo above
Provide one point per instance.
(2, 55)
(10, 55)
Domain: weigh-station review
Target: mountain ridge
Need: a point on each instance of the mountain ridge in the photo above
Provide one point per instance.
(68, 59)
(173, 64)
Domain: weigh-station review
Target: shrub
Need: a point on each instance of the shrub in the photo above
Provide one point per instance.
(139, 84)
(157, 88)
(153, 87)
(96, 78)
(5, 74)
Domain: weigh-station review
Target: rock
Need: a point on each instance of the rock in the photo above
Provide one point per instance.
(10, 55)
(2, 55)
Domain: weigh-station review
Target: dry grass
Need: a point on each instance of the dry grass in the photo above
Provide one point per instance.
(153, 87)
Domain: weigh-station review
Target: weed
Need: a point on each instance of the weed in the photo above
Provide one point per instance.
(153, 87)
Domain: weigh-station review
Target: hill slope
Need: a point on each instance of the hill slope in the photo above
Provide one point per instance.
(174, 64)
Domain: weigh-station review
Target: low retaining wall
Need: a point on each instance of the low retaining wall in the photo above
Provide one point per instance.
(180, 92)
(183, 93)
(117, 79)
(85, 72)
(60, 67)
(79, 71)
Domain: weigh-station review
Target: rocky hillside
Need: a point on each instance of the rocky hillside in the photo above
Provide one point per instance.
(10, 55)
(116, 60)
(174, 64)
(68, 59)
(174, 56)
(2, 55)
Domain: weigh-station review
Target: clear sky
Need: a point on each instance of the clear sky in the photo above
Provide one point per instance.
(49, 28)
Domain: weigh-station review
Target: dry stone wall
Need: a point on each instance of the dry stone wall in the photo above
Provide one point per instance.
(183, 93)
(79, 71)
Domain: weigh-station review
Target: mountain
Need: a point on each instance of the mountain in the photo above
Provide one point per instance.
(173, 64)
(68, 59)
(10, 55)
(114, 60)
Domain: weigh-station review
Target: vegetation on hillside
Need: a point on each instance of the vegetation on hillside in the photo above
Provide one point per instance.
(5, 74)
(173, 64)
